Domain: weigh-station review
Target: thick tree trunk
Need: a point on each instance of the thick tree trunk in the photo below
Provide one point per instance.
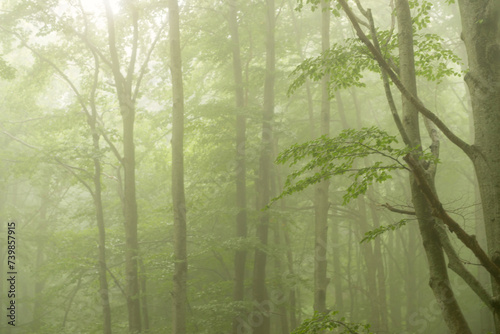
(439, 281)
(262, 325)
(481, 35)
(241, 217)
(178, 197)
(411, 276)
(321, 192)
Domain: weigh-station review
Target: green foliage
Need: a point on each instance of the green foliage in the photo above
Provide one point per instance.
(371, 235)
(432, 59)
(343, 62)
(327, 321)
(337, 156)
(6, 71)
(315, 4)
(421, 19)
(346, 62)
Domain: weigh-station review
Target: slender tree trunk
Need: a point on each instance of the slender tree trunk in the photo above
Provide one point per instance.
(282, 307)
(178, 197)
(144, 296)
(379, 262)
(370, 266)
(439, 281)
(321, 192)
(127, 109)
(40, 258)
(99, 211)
(395, 302)
(307, 84)
(131, 218)
(241, 217)
(335, 239)
(376, 251)
(103, 282)
(293, 289)
(262, 326)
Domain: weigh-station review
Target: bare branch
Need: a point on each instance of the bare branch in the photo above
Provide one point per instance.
(144, 66)
(393, 209)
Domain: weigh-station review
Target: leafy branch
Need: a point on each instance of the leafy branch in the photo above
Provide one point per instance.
(322, 321)
(326, 157)
(371, 235)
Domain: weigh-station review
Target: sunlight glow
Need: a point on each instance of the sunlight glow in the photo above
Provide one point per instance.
(97, 6)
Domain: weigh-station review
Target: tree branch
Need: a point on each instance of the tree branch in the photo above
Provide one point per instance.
(144, 66)
(393, 209)
(466, 148)
(438, 211)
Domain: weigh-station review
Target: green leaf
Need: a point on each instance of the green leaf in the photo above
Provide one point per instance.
(371, 235)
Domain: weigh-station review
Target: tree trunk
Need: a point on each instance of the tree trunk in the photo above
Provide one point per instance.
(127, 109)
(307, 84)
(376, 259)
(321, 192)
(144, 296)
(262, 303)
(411, 276)
(379, 264)
(241, 217)
(293, 289)
(481, 35)
(103, 282)
(130, 214)
(439, 281)
(370, 266)
(40, 256)
(178, 197)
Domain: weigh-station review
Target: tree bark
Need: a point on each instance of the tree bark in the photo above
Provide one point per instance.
(439, 281)
(260, 294)
(103, 281)
(178, 197)
(40, 257)
(127, 109)
(241, 217)
(321, 192)
(481, 35)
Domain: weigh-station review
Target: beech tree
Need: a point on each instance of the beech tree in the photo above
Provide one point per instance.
(178, 197)
(241, 202)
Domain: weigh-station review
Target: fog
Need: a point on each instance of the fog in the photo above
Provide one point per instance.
(250, 167)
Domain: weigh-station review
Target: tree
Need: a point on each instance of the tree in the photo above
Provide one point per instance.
(439, 281)
(260, 293)
(241, 217)
(178, 197)
(481, 35)
(321, 204)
